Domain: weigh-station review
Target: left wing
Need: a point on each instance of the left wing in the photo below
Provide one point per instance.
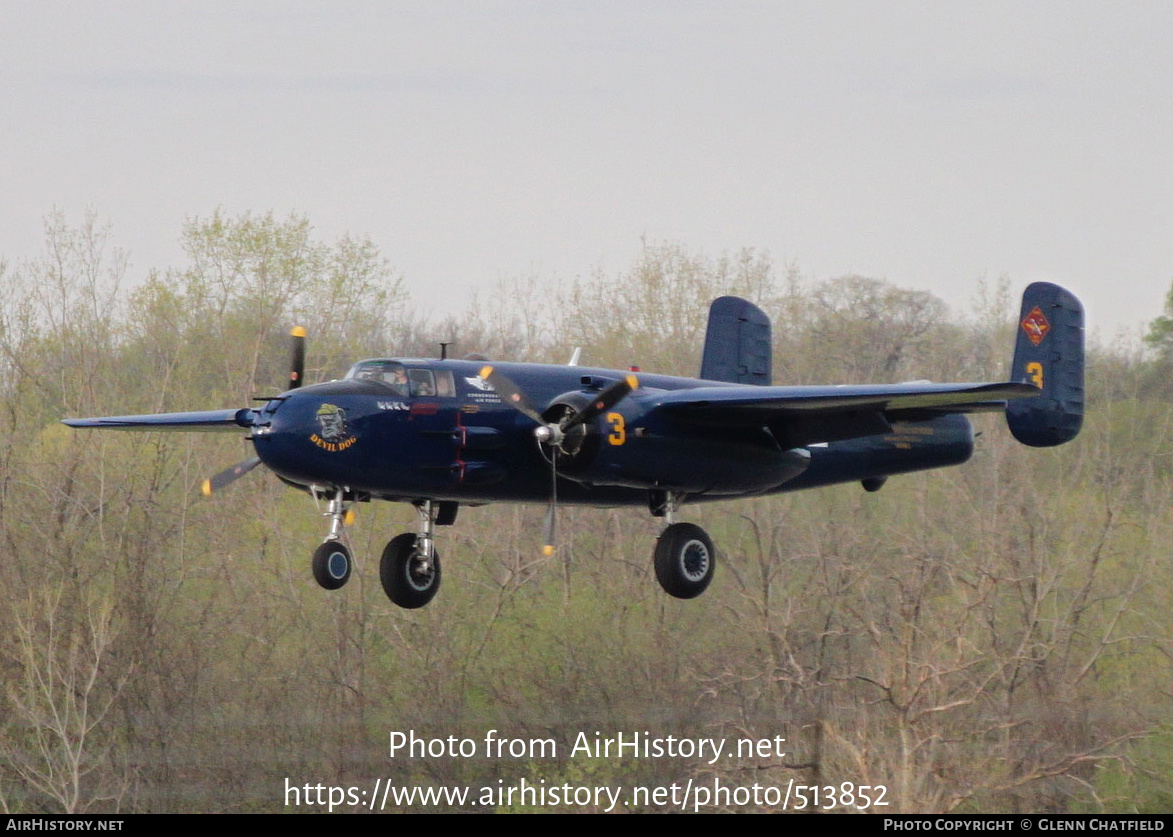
(812, 414)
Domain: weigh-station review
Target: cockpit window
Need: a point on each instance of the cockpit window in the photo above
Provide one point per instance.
(389, 372)
(406, 380)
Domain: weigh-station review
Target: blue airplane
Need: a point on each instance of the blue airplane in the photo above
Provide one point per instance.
(441, 433)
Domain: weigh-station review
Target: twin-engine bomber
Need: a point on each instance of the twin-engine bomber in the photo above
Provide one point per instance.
(442, 433)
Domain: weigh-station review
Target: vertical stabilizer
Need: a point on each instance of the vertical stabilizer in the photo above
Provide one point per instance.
(1049, 354)
(737, 343)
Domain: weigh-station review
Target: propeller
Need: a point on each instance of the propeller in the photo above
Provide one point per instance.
(297, 358)
(554, 433)
(296, 373)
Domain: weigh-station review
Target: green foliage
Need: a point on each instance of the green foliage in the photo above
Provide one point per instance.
(1160, 334)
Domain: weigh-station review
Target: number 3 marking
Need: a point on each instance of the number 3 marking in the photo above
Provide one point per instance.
(1034, 370)
(618, 432)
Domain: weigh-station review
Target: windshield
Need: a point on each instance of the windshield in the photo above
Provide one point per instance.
(389, 372)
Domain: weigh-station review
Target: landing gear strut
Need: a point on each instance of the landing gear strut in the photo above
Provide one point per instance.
(684, 556)
(332, 562)
(410, 566)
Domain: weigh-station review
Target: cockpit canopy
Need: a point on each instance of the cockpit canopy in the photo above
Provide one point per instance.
(406, 378)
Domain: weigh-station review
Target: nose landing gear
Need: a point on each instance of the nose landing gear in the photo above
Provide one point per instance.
(332, 561)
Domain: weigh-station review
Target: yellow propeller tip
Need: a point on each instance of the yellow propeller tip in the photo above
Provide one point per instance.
(348, 518)
(633, 381)
(206, 488)
(485, 372)
(297, 331)
(548, 550)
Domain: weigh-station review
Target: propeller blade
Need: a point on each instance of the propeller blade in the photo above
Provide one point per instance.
(297, 359)
(229, 475)
(550, 523)
(548, 531)
(607, 399)
(510, 393)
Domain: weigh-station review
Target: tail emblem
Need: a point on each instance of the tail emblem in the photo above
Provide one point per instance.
(1036, 326)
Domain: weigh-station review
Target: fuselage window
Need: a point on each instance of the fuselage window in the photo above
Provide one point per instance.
(445, 387)
(422, 382)
(427, 383)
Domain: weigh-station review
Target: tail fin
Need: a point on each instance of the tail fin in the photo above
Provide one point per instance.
(737, 343)
(1048, 354)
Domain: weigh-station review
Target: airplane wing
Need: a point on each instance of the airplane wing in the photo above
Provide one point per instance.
(206, 420)
(807, 415)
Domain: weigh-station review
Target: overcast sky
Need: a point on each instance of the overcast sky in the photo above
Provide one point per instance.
(927, 143)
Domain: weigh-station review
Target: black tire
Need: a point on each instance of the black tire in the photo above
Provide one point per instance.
(404, 582)
(332, 564)
(685, 560)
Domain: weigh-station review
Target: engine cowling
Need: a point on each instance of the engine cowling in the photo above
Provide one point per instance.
(579, 447)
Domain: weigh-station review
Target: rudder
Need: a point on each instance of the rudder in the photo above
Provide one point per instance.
(1049, 354)
(738, 345)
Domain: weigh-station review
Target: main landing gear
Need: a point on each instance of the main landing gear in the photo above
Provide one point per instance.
(684, 557)
(410, 566)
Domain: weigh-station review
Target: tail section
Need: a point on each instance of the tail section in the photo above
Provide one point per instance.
(737, 344)
(1049, 354)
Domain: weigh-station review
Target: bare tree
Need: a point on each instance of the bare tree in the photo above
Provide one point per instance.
(66, 679)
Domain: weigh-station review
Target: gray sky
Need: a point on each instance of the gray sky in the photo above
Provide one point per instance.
(927, 143)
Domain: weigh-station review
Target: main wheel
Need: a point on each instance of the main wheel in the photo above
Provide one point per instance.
(408, 579)
(332, 564)
(684, 560)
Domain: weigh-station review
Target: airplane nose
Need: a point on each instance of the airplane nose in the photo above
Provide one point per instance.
(263, 419)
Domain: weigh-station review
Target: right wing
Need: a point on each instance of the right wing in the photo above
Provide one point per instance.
(808, 415)
(205, 420)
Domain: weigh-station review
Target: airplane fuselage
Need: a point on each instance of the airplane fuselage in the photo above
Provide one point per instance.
(437, 431)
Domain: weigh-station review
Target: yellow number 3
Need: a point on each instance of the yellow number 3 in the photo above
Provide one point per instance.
(1034, 371)
(618, 432)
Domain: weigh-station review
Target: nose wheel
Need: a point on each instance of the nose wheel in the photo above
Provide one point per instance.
(332, 564)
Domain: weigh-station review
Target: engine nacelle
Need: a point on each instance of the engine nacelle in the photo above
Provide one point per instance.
(624, 447)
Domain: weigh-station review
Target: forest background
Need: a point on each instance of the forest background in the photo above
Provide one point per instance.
(990, 638)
